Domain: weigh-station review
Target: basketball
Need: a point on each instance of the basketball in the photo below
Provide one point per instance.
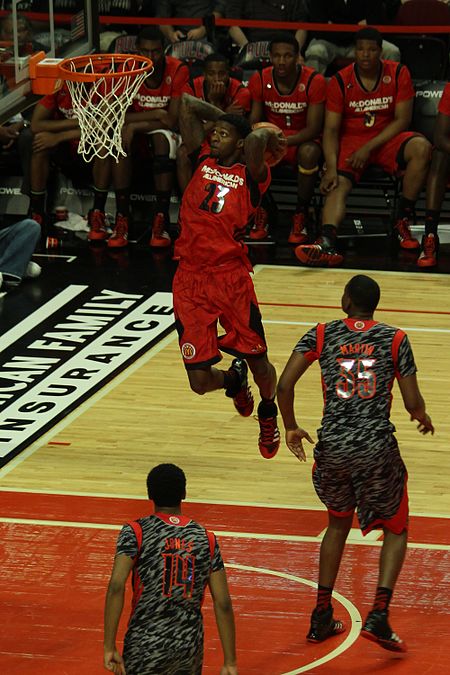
(270, 157)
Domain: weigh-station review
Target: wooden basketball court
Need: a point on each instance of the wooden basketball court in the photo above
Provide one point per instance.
(64, 498)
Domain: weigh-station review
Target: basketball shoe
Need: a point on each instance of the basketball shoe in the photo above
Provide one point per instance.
(323, 626)
(298, 234)
(119, 237)
(97, 225)
(269, 434)
(160, 238)
(322, 253)
(260, 229)
(404, 236)
(241, 393)
(377, 629)
(429, 251)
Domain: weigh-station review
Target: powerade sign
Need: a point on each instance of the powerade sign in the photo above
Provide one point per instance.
(89, 338)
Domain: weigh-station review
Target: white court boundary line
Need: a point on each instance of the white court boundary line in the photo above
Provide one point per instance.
(313, 323)
(296, 538)
(43, 440)
(218, 502)
(349, 270)
(355, 616)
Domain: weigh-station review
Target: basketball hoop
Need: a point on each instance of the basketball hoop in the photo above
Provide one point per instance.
(102, 87)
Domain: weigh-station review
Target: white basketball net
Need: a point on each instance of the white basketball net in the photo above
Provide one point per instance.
(100, 107)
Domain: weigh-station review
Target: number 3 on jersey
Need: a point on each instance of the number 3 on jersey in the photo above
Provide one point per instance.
(217, 191)
(356, 377)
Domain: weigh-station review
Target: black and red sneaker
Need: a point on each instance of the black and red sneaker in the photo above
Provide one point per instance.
(160, 237)
(404, 236)
(269, 434)
(429, 251)
(324, 626)
(320, 254)
(377, 629)
(298, 233)
(241, 393)
(260, 229)
(97, 226)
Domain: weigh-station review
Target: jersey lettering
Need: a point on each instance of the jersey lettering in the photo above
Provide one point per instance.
(217, 206)
(178, 571)
(356, 376)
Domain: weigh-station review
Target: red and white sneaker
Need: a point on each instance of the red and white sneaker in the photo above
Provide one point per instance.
(260, 229)
(119, 237)
(160, 238)
(318, 255)
(97, 225)
(241, 393)
(404, 236)
(298, 233)
(429, 251)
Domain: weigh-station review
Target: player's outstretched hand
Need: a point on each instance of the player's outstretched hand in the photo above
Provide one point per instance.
(425, 425)
(294, 442)
(114, 662)
(229, 670)
(329, 182)
(277, 143)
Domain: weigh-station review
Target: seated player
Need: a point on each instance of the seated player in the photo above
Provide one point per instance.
(437, 182)
(149, 133)
(216, 87)
(212, 284)
(291, 96)
(368, 111)
(56, 133)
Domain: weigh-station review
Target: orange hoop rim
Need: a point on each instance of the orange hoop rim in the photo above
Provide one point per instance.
(99, 62)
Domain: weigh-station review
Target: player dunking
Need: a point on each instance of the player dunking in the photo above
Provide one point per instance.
(173, 559)
(357, 460)
(212, 283)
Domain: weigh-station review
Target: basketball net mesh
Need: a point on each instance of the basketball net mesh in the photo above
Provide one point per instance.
(100, 106)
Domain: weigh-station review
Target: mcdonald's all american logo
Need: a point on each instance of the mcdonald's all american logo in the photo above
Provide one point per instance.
(174, 520)
(360, 325)
(188, 350)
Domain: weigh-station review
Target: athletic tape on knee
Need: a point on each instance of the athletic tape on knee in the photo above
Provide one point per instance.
(172, 138)
(308, 172)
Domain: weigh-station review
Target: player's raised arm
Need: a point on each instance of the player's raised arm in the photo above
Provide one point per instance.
(255, 147)
(193, 112)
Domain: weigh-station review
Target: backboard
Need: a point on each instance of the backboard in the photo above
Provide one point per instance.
(60, 28)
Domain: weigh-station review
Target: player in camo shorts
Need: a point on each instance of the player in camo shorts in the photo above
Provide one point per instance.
(357, 460)
(172, 559)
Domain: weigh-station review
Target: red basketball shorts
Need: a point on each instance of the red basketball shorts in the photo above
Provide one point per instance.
(204, 298)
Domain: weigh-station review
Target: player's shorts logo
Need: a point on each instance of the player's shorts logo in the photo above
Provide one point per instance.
(369, 119)
(188, 350)
(301, 87)
(387, 79)
(168, 80)
(360, 325)
(257, 349)
(174, 520)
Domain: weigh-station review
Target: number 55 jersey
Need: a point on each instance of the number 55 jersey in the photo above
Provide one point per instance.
(215, 210)
(359, 361)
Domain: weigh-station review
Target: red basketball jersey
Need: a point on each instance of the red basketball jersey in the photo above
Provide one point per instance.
(176, 75)
(216, 207)
(288, 111)
(60, 103)
(444, 103)
(236, 93)
(366, 113)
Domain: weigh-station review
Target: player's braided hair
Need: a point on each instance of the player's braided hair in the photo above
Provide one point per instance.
(166, 485)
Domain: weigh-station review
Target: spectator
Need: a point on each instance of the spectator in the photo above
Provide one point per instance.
(188, 9)
(368, 111)
(218, 88)
(149, 133)
(325, 47)
(56, 133)
(26, 43)
(172, 559)
(436, 183)
(17, 244)
(291, 96)
(261, 10)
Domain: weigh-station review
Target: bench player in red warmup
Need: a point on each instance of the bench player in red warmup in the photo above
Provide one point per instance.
(357, 459)
(212, 283)
(368, 111)
(291, 96)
